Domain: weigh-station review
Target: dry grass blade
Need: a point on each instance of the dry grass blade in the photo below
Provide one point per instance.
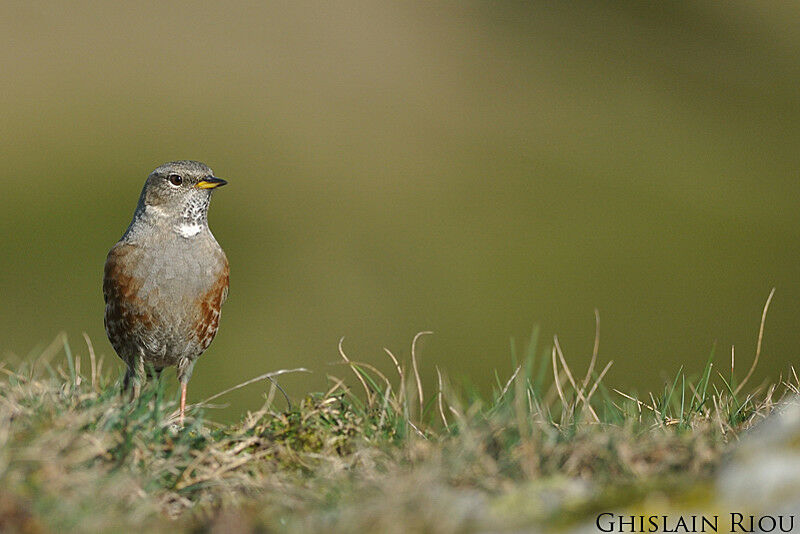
(9, 372)
(653, 400)
(78, 377)
(637, 401)
(386, 396)
(578, 391)
(599, 379)
(510, 380)
(401, 396)
(259, 378)
(719, 417)
(440, 401)
(758, 344)
(416, 369)
(92, 360)
(396, 363)
(552, 392)
(371, 368)
(595, 349)
(355, 371)
(48, 353)
(796, 386)
(419, 432)
(395, 403)
(338, 383)
(558, 386)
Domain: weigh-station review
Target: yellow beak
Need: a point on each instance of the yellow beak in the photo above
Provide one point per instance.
(211, 182)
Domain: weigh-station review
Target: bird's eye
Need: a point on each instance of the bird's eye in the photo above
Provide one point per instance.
(175, 179)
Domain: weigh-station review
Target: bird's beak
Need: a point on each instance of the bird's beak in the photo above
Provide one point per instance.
(211, 182)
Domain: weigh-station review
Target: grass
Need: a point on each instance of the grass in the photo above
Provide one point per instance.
(548, 447)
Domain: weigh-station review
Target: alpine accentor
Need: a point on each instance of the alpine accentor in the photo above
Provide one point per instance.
(165, 281)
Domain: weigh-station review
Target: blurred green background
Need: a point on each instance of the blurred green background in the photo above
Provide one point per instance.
(471, 168)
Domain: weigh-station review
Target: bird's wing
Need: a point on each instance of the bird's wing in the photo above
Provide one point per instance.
(226, 271)
(117, 281)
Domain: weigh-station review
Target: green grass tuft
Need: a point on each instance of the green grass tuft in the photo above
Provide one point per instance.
(376, 455)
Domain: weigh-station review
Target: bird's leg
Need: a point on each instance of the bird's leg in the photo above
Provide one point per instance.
(137, 389)
(134, 375)
(126, 383)
(185, 366)
(183, 401)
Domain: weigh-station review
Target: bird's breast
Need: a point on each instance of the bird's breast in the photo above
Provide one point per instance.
(169, 293)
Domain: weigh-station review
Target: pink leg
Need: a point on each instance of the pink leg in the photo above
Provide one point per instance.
(183, 401)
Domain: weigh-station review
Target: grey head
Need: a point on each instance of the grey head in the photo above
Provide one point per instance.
(175, 197)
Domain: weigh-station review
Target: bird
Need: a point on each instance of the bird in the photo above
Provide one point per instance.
(166, 279)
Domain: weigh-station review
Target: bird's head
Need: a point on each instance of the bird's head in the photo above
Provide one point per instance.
(180, 191)
(175, 184)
